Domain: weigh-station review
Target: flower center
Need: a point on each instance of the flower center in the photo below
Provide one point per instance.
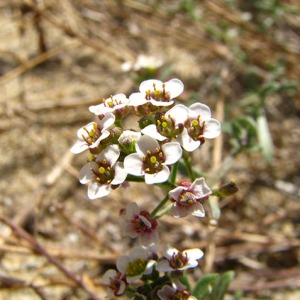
(136, 267)
(153, 161)
(195, 129)
(105, 173)
(158, 95)
(186, 198)
(91, 135)
(178, 260)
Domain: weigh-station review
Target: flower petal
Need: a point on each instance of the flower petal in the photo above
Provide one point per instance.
(86, 174)
(212, 129)
(96, 190)
(175, 87)
(152, 131)
(172, 152)
(146, 143)
(200, 109)
(158, 177)
(133, 164)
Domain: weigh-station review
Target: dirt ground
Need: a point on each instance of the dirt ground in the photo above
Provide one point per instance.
(59, 57)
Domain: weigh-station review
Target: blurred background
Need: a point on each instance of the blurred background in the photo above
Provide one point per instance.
(59, 57)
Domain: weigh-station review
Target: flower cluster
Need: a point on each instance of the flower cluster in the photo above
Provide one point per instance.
(142, 262)
(118, 155)
(166, 129)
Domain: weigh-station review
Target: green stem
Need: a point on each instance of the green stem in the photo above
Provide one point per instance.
(159, 206)
(187, 161)
(174, 173)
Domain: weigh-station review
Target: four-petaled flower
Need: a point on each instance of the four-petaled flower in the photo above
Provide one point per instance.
(176, 291)
(198, 127)
(151, 160)
(139, 224)
(90, 136)
(104, 173)
(187, 198)
(168, 125)
(157, 93)
(110, 105)
(116, 283)
(178, 260)
(136, 264)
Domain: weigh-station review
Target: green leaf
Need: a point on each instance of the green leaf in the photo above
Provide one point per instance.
(221, 286)
(264, 137)
(204, 286)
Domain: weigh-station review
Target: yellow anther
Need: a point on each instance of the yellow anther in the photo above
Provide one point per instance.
(101, 170)
(195, 123)
(160, 154)
(153, 159)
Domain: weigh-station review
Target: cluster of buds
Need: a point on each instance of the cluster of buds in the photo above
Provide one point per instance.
(118, 155)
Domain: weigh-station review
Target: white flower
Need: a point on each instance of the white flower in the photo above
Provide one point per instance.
(178, 260)
(116, 283)
(139, 224)
(92, 134)
(136, 264)
(198, 127)
(187, 198)
(169, 124)
(147, 62)
(157, 93)
(151, 160)
(110, 105)
(176, 291)
(103, 173)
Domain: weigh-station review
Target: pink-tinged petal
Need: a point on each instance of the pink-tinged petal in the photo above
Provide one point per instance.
(79, 147)
(200, 188)
(137, 99)
(180, 211)
(161, 103)
(132, 210)
(200, 109)
(212, 129)
(175, 87)
(86, 174)
(198, 211)
(120, 174)
(149, 85)
(159, 177)
(96, 190)
(172, 152)
(146, 143)
(128, 229)
(147, 239)
(175, 193)
(187, 142)
(179, 113)
(152, 131)
(133, 164)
